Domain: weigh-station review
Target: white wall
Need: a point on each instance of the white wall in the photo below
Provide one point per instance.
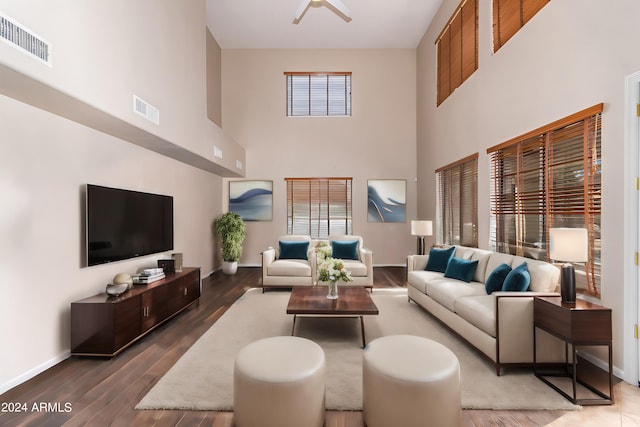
(377, 142)
(573, 54)
(103, 53)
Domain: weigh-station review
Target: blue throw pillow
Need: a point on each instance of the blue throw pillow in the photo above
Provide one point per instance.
(439, 259)
(496, 278)
(518, 279)
(293, 250)
(344, 249)
(461, 269)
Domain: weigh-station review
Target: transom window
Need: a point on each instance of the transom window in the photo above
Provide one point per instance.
(511, 15)
(318, 94)
(318, 207)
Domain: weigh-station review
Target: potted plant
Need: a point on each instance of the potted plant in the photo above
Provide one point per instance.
(231, 228)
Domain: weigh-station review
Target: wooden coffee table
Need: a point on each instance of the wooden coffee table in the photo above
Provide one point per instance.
(353, 301)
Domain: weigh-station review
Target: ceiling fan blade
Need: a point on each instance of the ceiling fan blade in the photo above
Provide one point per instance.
(302, 9)
(339, 8)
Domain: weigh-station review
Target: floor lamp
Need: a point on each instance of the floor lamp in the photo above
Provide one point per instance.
(568, 245)
(421, 228)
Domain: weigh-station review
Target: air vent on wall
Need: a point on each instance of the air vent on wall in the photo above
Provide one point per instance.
(22, 38)
(146, 110)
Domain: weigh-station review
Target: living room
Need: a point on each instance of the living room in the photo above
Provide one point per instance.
(572, 55)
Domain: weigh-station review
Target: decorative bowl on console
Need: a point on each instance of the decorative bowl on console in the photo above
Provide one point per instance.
(116, 289)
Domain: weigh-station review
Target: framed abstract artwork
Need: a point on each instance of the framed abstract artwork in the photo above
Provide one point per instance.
(387, 200)
(252, 200)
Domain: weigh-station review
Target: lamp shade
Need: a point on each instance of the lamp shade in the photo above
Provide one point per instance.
(421, 228)
(569, 244)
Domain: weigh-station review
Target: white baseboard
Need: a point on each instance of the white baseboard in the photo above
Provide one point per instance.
(33, 372)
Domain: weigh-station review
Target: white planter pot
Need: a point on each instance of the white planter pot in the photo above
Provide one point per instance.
(229, 267)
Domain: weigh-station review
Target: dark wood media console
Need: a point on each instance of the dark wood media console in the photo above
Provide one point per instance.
(104, 326)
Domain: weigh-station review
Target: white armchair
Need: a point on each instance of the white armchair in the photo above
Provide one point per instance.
(292, 264)
(356, 259)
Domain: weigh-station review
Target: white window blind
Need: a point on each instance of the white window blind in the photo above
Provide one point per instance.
(318, 207)
(318, 94)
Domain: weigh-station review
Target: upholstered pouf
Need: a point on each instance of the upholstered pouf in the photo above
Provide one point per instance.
(279, 382)
(410, 381)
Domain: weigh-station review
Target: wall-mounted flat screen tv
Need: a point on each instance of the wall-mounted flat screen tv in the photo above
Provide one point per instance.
(123, 224)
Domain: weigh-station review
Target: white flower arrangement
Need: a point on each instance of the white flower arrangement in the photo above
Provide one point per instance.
(332, 270)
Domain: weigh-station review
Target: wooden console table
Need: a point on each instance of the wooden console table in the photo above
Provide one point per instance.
(103, 325)
(578, 324)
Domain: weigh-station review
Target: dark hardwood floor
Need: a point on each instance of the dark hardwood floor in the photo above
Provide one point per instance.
(104, 392)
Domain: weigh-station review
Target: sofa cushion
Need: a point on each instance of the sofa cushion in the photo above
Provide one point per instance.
(544, 276)
(463, 252)
(482, 256)
(518, 279)
(289, 267)
(439, 259)
(344, 249)
(480, 311)
(446, 291)
(495, 259)
(356, 268)
(461, 269)
(496, 278)
(419, 278)
(293, 250)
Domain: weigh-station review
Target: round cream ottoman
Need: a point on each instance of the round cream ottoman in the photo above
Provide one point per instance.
(410, 381)
(279, 382)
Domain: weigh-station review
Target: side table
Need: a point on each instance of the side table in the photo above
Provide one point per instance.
(578, 324)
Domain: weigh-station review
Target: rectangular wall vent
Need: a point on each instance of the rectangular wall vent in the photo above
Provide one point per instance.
(217, 153)
(25, 40)
(146, 110)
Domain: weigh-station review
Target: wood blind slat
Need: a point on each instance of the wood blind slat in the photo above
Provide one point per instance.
(509, 16)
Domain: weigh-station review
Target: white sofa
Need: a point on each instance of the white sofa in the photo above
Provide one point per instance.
(500, 325)
(285, 273)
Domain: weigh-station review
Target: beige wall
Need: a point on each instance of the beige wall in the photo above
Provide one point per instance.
(377, 142)
(107, 51)
(103, 53)
(571, 55)
(214, 80)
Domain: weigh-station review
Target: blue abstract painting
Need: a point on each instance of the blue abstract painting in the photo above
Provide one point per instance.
(252, 200)
(387, 200)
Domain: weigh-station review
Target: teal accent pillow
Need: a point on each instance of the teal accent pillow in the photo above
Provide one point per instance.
(293, 249)
(344, 249)
(518, 279)
(439, 259)
(461, 269)
(496, 278)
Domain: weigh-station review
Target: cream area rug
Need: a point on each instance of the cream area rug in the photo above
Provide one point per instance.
(203, 377)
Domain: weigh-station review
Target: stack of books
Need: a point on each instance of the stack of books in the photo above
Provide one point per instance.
(148, 275)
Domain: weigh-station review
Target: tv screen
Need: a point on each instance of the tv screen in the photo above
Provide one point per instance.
(123, 224)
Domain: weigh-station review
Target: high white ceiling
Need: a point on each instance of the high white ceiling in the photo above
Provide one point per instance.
(241, 24)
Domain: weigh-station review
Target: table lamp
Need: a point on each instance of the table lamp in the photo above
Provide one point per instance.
(568, 245)
(421, 228)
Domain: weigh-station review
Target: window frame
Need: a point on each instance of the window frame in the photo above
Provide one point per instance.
(509, 16)
(450, 217)
(457, 49)
(568, 193)
(313, 206)
(313, 99)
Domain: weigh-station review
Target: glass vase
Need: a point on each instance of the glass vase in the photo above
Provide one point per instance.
(332, 292)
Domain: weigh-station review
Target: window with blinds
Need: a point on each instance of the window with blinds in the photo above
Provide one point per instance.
(511, 15)
(549, 178)
(457, 210)
(457, 47)
(318, 94)
(318, 207)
